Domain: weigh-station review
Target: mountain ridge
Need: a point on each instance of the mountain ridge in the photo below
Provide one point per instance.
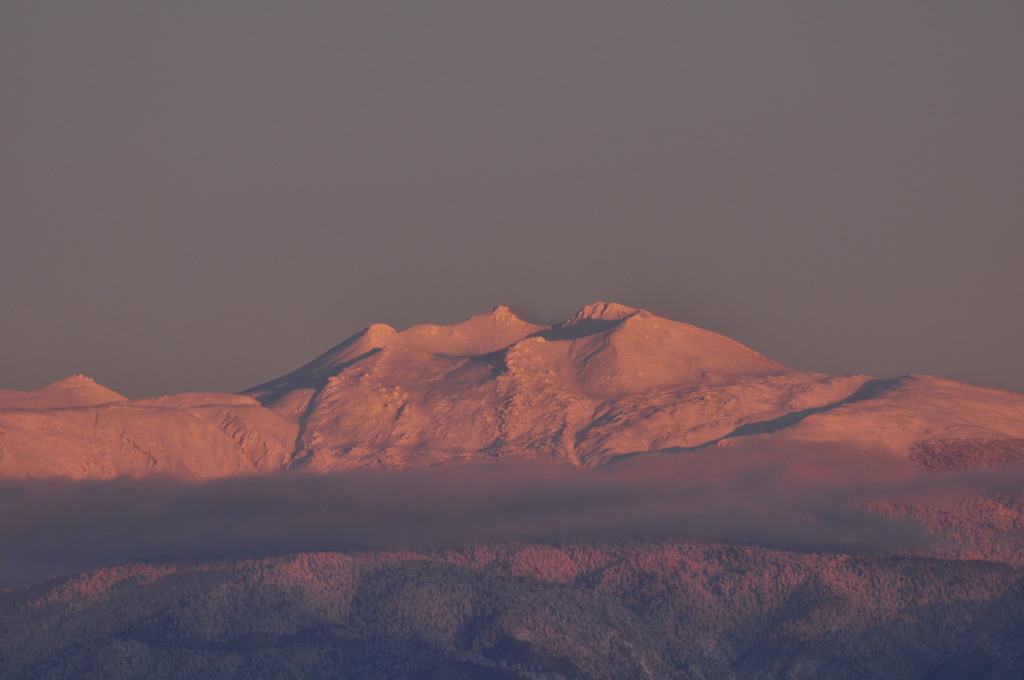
(611, 380)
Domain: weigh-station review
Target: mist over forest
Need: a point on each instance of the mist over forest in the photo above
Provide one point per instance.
(792, 499)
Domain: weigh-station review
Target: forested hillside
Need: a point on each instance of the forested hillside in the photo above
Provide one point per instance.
(600, 611)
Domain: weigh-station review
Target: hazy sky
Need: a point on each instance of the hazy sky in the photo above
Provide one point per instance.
(205, 195)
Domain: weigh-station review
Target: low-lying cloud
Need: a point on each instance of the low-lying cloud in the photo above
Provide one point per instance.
(803, 498)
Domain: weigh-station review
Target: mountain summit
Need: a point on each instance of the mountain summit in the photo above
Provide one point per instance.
(607, 311)
(610, 381)
(495, 386)
(604, 347)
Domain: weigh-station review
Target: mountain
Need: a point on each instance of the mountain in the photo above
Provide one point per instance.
(495, 386)
(609, 382)
(648, 500)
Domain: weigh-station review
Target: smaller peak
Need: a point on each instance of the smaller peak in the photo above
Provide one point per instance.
(379, 334)
(75, 390)
(76, 378)
(503, 313)
(481, 334)
(604, 311)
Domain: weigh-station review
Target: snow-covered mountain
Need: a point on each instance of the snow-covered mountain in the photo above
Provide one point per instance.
(609, 382)
(736, 527)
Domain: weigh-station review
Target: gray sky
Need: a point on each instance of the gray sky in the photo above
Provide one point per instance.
(205, 195)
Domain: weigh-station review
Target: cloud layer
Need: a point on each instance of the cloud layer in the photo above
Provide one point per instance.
(806, 499)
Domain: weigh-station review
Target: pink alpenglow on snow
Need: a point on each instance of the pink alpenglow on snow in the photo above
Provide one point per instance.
(609, 383)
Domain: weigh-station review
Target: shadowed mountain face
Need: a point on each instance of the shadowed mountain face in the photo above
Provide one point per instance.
(610, 382)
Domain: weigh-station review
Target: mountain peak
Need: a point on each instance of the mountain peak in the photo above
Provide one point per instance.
(603, 311)
(480, 334)
(75, 390)
(76, 379)
(503, 314)
(379, 335)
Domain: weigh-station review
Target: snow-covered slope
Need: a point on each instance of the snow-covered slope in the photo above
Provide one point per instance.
(187, 436)
(611, 381)
(898, 414)
(496, 386)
